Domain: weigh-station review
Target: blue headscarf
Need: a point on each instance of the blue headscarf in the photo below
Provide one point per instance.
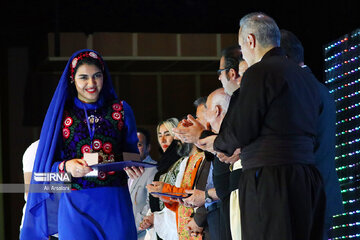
(41, 211)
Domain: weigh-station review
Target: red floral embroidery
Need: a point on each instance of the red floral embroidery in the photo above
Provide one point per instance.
(111, 157)
(111, 173)
(66, 133)
(116, 116)
(107, 147)
(85, 148)
(68, 122)
(97, 144)
(101, 175)
(117, 107)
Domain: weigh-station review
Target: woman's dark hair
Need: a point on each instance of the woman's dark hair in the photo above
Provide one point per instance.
(88, 61)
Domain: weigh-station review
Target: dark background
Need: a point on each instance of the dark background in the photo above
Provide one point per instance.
(27, 23)
(314, 22)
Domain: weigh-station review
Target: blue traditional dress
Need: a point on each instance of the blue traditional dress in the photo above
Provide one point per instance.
(98, 207)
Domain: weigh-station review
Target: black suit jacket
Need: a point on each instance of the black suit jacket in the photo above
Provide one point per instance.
(200, 215)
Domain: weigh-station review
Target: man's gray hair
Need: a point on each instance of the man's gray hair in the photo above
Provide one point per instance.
(264, 28)
(222, 99)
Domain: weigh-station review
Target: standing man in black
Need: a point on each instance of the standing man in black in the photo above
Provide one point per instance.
(273, 119)
(325, 138)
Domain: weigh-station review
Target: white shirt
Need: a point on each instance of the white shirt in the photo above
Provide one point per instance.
(29, 157)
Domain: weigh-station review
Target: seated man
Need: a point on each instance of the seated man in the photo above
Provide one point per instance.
(137, 187)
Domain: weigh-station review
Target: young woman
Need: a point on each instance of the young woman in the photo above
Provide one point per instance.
(84, 116)
(161, 222)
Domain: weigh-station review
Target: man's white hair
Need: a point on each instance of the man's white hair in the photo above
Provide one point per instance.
(222, 99)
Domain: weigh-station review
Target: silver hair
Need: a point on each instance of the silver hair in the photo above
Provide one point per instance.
(222, 99)
(264, 28)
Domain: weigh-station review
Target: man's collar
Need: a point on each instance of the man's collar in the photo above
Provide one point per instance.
(276, 51)
(148, 159)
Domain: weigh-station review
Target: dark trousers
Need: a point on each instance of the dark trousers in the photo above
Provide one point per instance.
(282, 202)
(224, 228)
(214, 222)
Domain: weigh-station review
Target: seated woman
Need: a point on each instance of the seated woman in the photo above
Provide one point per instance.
(84, 116)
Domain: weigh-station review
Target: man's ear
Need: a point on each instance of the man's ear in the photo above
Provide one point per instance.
(251, 40)
(217, 110)
(232, 74)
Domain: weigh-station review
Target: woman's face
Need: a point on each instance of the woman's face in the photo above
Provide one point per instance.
(164, 137)
(88, 82)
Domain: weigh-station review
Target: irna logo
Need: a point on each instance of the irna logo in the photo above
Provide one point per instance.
(52, 177)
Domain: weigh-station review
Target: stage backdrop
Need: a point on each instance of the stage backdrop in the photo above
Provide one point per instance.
(342, 71)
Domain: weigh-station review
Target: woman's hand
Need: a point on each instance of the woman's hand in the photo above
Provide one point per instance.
(77, 167)
(134, 172)
(155, 187)
(147, 222)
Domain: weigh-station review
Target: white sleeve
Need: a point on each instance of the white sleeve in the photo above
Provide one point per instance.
(29, 157)
(165, 224)
(181, 172)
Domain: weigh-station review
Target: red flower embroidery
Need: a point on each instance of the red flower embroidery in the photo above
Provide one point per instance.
(117, 107)
(101, 175)
(107, 147)
(111, 173)
(111, 157)
(97, 144)
(68, 122)
(66, 133)
(116, 116)
(85, 148)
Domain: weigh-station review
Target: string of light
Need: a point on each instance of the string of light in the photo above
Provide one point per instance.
(345, 85)
(342, 64)
(351, 201)
(347, 236)
(336, 43)
(346, 225)
(347, 166)
(348, 107)
(347, 96)
(355, 34)
(348, 131)
(347, 143)
(347, 213)
(350, 189)
(348, 119)
(343, 75)
(347, 154)
(342, 52)
(348, 178)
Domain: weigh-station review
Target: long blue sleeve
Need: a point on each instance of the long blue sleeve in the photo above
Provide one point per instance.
(130, 135)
